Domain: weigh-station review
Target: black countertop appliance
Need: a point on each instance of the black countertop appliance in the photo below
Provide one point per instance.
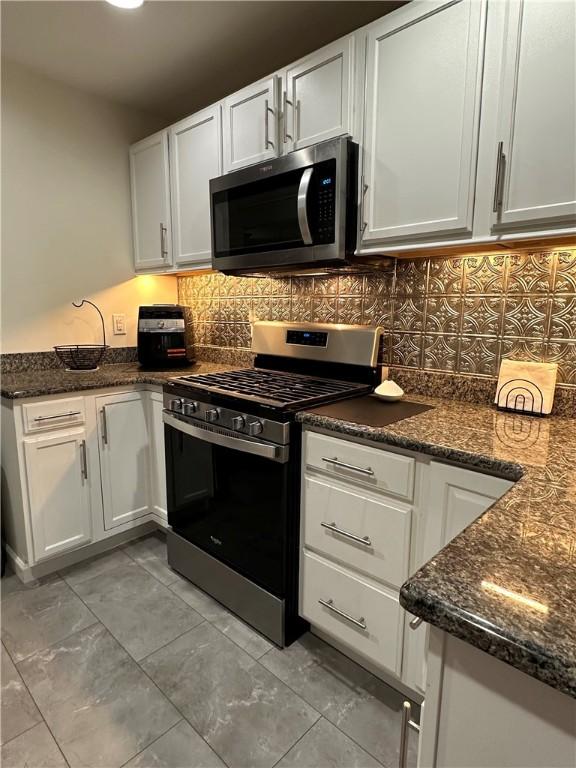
(162, 336)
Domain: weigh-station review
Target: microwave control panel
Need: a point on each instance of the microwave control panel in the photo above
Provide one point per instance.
(325, 177)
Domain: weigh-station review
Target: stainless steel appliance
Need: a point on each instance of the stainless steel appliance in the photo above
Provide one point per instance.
(233, 464)
(295, 211)
(162, 336)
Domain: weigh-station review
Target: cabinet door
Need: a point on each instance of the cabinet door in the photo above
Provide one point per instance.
(124, 457)
(318, 100)
(537, 121)
(59, 492)
(424, 75)
(149, 176)
(157, 457)
(251, 125)
(195, 158)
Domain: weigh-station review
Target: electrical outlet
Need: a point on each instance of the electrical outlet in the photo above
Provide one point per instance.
(119, 325)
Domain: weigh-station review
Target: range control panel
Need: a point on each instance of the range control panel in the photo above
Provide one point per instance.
(307, 338)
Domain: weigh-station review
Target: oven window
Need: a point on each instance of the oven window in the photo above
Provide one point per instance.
(256, 217)
(230, 504)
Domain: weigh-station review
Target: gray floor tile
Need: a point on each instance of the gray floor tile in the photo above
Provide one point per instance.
(100, 706)
(361, 705)
(97, 566)
(35, 618)
(243, 635)
(18, 711)
(141, 613)
(150, 553)
(205, 605)
(11, 584)
(247, 715)
(34, 749)
(181, 747)
(324, 745)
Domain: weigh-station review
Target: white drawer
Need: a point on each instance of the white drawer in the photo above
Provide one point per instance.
(381, 639)
(383, 530)
(53, 414)
(377, 468)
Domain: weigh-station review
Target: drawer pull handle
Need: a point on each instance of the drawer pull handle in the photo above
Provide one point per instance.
(330, 605)
(360, 539)
(337, 463)
(58, 416)
(415, 622)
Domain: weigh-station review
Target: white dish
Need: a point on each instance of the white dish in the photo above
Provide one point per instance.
(389, 391)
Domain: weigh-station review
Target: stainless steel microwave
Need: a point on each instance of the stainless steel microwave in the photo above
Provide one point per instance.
(297, 211)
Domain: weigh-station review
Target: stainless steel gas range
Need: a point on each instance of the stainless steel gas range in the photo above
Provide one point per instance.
(233, 464)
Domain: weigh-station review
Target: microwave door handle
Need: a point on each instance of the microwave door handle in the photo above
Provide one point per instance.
(302, 206)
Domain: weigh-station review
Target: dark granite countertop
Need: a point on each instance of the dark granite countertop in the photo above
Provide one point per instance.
(53, 381)
(507, 583)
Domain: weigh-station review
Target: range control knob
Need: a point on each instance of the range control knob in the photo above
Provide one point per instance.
(189, 409)
(212, 414)
(255, 428)
(238, 422)
(176, 405)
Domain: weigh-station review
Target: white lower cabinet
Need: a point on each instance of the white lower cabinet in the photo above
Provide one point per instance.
(124, 457)
(58, 492)
(360, 541)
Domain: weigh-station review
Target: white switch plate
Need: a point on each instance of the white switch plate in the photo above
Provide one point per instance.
(119, 325)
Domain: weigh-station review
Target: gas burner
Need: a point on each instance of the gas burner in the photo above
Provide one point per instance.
(280, 389)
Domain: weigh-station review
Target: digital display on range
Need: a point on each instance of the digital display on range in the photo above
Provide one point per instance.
(307, 338)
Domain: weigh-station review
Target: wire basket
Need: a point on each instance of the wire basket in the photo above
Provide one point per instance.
(81, 357)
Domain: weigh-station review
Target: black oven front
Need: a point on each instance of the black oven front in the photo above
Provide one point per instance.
(233, 511)
(295, 211)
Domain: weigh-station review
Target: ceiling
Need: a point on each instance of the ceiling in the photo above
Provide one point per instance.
(168, 57)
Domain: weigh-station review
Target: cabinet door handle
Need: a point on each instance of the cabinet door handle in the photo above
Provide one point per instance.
(285, 102)
(365, 540)
(337, 463)
(83, 460)
(330, 605)
(415, 622)
(58, 416)
(407, 722)
(500, 161)
(104, 426)
(163, 249)
(296, 119)
(267, 142)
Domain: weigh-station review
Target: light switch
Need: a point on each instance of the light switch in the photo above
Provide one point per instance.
(119, 325)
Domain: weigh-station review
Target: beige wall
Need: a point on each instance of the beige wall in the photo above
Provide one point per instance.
(66, 229)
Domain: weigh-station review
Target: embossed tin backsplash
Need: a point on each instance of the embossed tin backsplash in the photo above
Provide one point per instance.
(459, 315)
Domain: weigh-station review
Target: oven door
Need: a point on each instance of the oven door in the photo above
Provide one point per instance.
(229, 495)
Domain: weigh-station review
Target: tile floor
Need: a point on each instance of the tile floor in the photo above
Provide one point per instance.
(121, 662)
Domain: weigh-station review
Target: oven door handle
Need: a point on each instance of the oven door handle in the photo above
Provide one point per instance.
(303, 206)
(277, 453)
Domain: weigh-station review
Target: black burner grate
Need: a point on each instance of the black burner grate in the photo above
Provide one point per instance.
(279, 388)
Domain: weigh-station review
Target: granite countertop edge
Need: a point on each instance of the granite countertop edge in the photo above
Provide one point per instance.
(422, 594)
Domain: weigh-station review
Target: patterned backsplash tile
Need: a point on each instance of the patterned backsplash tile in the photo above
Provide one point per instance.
(456, 314)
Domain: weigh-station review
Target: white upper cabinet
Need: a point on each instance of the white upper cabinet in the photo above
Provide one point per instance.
(195, 158)
(424, 71)
(251, 125)
(59, 492)
(536, 141)
(317, 102)
(151, 220)
(124, 457)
